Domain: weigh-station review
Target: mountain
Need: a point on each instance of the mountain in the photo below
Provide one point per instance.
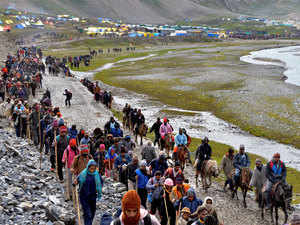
(159, 11)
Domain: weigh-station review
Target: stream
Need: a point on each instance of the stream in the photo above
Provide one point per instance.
(199, 124)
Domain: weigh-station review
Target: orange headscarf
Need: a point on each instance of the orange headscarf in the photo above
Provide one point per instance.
(131, 200)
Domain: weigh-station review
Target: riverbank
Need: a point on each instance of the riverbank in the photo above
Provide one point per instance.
(212, 78)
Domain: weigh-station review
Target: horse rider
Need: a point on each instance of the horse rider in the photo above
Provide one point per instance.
(203, 154)
(275, 173)
(241, 160)
(180, 141)
(155, 127)
(164, 130)
(189, 141)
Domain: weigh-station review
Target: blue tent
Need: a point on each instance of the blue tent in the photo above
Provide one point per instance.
(132, 35)
(20, 26)
(1, 22)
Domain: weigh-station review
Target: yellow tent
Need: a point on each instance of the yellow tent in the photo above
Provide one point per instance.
(9, 21)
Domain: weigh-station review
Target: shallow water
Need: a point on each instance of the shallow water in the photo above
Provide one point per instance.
(201, 124)
(289, 56)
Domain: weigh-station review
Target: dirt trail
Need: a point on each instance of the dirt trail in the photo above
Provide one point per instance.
(86, 114)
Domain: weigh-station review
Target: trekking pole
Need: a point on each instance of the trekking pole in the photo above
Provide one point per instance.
(73, 193)
(109, 169)
(166, 208)
(21, 126)
(77, 206)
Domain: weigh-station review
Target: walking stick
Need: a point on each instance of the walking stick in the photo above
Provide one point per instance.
(77, 206)
(109, 169)
(166, 208)
(178, 214)
(73, 194)
(55, 148)
(68, 179)
(28, 128)
(21, 126)
(40, 139)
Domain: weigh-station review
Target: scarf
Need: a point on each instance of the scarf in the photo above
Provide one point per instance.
(82, 179)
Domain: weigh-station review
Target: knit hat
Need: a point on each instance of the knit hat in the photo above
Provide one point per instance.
(72, 142)
(131, 200)
(276, 155)
(295, 218)
(102, 147)
(165, 120)
(55, 123)
(63, 129)
(84, 149)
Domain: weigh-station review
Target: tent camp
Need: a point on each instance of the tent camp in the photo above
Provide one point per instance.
(38, 24)
(7, 28)
(1, 28)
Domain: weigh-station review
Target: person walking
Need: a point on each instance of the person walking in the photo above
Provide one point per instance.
(227, 167)
(132, 213)
(141, 182)
(68, 95)
(68, 158)
(90, 190)
(148, 153)
(62, 142)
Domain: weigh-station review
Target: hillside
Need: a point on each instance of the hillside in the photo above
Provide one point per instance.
(159, 11)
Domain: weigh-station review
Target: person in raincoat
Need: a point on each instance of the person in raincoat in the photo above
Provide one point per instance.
(90, 190)
(110, 158)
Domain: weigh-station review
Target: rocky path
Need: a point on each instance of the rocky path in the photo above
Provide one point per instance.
(84, 113)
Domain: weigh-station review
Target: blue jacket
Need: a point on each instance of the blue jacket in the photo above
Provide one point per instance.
(192, 205)
(116, 132)
(142, 179)
(241, 161)
(180, 139)
(72, 133)
(119, 161)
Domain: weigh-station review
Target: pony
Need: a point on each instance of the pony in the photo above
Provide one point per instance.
(280, 196)
(243, 183)
(167, 143)
(141, 131)
(182, 153)
(209, 169)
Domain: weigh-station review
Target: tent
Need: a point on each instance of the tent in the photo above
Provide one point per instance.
(38, 24)
(19, 26)
(1, 28)
(6, 28)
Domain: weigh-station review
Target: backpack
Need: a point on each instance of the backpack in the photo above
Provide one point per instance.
(106, 219)
(147, 220)
(70, 94)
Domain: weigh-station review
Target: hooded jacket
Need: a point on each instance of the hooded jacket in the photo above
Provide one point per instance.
(69, 155)
(185, 202)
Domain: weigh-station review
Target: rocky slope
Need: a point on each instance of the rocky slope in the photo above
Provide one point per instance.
(159, 11)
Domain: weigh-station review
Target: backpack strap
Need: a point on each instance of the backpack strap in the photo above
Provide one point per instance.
(147, 220)
(117, 222)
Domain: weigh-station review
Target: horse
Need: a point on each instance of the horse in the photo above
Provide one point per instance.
(279, 199)
(243, 183)
(167, 143)
(209, 169)
(126, 121)
(142, 131)
(181, 156)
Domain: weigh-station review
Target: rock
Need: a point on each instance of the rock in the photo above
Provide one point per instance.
(54, 199)
(26, 205)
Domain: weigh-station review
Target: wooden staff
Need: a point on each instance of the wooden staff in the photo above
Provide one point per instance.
(55, 148)
(40, 135)
(178, 213)
(73, 193)
(166, 208)
(68, 178)
(21, 125)
(28, 128)
(77, 206)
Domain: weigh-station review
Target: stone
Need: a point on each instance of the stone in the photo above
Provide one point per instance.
(26, 205)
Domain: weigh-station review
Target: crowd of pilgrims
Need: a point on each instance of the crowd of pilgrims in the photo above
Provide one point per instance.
(156, 188)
